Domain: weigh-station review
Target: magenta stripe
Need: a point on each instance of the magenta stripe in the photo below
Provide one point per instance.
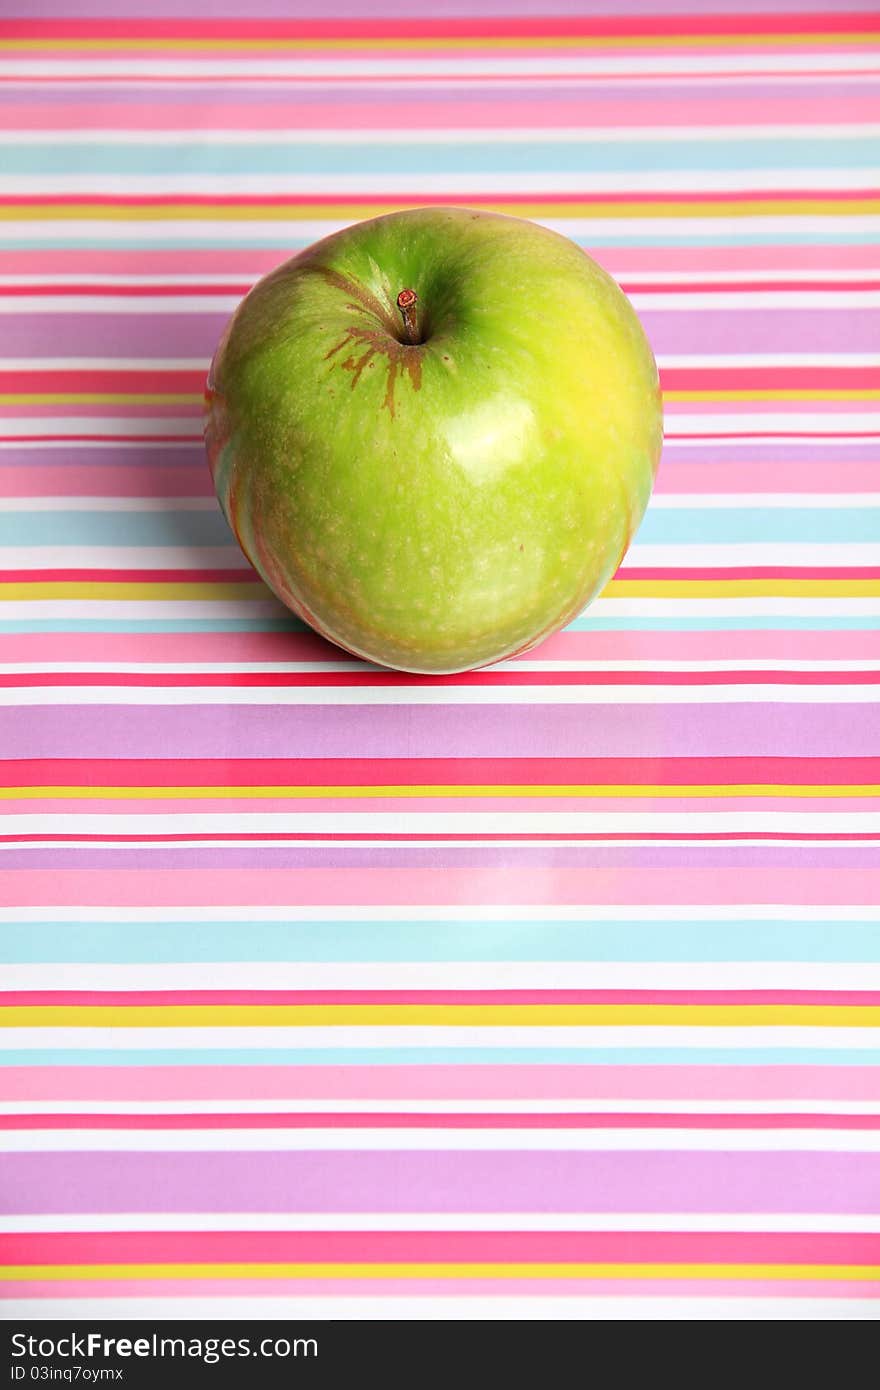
(435, 1289)
(340, 731)
(442, 1247)
(426, 1120)
(234, 262)
(408, 10)
(428, 1083)
(399, 1181)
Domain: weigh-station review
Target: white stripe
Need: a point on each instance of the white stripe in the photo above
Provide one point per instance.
(440, 1140)
(442, 1221)
(706, 64)
(477, 975)
(276, 231)
(756, 299)
(745, 1038)
(701, 501)
(104, 424)
(343, 184)
(465, 1105)
(474, 822)
(451, 135)
(701, 360)
(453, 912)
(749, 421)
(411, 695)
(119, 304)
(741, 423)
(665, 1307)
(815, 441)
(60, 503)
(753, 553)
(166, 557)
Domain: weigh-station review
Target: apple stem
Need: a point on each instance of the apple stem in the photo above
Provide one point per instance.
(406, 303)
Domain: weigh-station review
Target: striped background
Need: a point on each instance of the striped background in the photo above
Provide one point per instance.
(550, 991)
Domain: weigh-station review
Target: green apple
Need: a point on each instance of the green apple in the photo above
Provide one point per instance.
(434, 434)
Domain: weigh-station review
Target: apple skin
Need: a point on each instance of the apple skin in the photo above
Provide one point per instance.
(435, 507)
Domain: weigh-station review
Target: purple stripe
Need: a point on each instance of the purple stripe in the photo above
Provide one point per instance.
(401, 1181)
(136, 454)
(195, 334)
(438, 731)
(707, 455)
(409, 9)
(508, 97)
(760, 330)
(628, 857)
(113, 335)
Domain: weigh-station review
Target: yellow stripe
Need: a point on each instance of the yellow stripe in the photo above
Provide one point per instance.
(590, 42)
(96, 398)
(107, 589)
(729, 588)
(346, 212)
(316, 793)
(440, 1015)
(278, 1270)
(617, 588)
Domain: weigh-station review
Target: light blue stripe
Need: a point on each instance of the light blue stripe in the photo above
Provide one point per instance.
(453, 157)
(727, 234)
(75, 528)
(586, 623)
(464, 941)
(708, 525)
(440, 1056)
(662, 526)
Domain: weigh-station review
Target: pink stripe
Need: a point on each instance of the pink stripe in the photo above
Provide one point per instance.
(635, 645)
(408, 887)
(160, 806)
(90, 1289)
(678, 475)
(427, 1246)
(584, 114)
(296, 998)
(426, 1083)
(416, 998)
(38, 480)
(257, 260)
